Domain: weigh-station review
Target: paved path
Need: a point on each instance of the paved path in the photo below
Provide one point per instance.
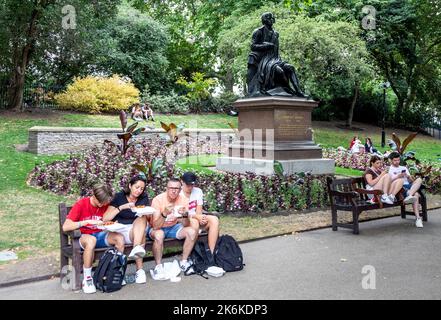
(314, 265)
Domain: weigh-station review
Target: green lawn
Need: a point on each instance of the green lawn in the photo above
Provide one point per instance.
(200, 162)
(348, 172)
(211, 121)
(426, 148)
(29, 217)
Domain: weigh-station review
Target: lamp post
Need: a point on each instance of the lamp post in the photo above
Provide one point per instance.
(384, 86)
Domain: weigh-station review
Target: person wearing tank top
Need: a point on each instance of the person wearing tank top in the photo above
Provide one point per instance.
(378, 179)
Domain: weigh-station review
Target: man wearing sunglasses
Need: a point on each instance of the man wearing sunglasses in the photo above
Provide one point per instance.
(171, 221)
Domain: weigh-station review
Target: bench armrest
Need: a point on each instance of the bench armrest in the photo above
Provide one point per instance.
(374, 192)
(76, 234)
(351, 194)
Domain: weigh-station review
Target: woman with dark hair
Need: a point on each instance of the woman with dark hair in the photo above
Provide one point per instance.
(369, 146)
(135, 231)
(377, 179)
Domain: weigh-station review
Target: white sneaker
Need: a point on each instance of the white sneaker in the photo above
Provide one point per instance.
(392, 198)
(88, 286)
(137, 252)
(140, 276)
(386, 199)
(409, 199)
(419, 223)
(123, 283)
(185, 266)
(158, 273)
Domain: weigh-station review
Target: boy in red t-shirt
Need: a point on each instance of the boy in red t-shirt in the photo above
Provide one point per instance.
(86, 215)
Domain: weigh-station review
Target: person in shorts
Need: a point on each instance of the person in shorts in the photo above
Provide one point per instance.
(378, 179)
(410, 184)
(134, 232)
(86, 214)
(164, 224)
(195, 195)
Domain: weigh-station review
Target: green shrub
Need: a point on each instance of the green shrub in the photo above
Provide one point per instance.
(171, 103)
(98, 94)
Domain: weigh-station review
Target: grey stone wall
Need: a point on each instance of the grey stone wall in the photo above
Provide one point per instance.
(59, 140)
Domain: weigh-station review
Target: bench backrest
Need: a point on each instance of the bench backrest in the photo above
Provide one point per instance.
(345, 185)
(63, 211)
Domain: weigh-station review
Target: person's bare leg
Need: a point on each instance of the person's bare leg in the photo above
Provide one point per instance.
(379, 185)
(416, 206)
(213, 231)
(88, 242)
(158, 245)
(396, 186)
(386, 184)
(137, 234)
(117, 240)
(190, 236)
(415, 187)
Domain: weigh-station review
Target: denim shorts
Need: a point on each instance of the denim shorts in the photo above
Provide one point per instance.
(169, 232)
(407, 187)
(101, 239)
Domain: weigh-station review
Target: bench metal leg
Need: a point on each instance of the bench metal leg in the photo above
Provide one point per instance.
(334, 220)
(355, 221)
(77, 263)
(424, 207)
(403, 212)
(64, 261)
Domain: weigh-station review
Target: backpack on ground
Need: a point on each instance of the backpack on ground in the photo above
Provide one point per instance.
(201, 259)
(227, 254)
(109, 274)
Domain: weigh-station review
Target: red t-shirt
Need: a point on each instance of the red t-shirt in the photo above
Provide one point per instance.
(83, 210)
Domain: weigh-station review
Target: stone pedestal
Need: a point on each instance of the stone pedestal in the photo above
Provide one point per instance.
(275, 128)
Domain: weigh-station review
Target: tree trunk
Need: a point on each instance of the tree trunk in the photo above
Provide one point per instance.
(21, 64)
(399, 111)
(354, 101)
(229, 81)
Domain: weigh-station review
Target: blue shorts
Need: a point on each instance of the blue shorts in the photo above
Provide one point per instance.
(407, 187)
(169, 232)
(101, 239)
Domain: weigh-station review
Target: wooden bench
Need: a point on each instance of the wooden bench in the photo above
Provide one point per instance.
(351, 195)
(70, 248)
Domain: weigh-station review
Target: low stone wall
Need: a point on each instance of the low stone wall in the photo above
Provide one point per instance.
(60, 140)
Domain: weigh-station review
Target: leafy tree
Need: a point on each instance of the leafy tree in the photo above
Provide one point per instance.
(331, 60)
(137, 48)
(198, 88)
(34, 36)
(407, 47)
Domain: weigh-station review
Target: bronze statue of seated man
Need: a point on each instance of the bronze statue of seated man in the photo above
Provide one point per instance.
(268, 74)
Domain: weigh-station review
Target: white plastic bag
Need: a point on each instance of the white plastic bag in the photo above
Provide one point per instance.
(171, 270)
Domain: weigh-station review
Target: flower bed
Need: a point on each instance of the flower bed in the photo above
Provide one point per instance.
(224, 192)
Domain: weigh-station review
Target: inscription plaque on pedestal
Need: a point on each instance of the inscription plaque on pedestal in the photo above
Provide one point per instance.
(275, 128)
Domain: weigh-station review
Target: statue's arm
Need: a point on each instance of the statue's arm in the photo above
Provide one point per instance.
(256, 42)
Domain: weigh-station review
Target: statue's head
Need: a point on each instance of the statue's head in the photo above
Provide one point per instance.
(268, 19)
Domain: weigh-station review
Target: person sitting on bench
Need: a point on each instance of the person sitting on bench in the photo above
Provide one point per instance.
(135, 227)
(196, 200)
(377, 179)
(411, 185)
(86, 215)
(164, 224)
